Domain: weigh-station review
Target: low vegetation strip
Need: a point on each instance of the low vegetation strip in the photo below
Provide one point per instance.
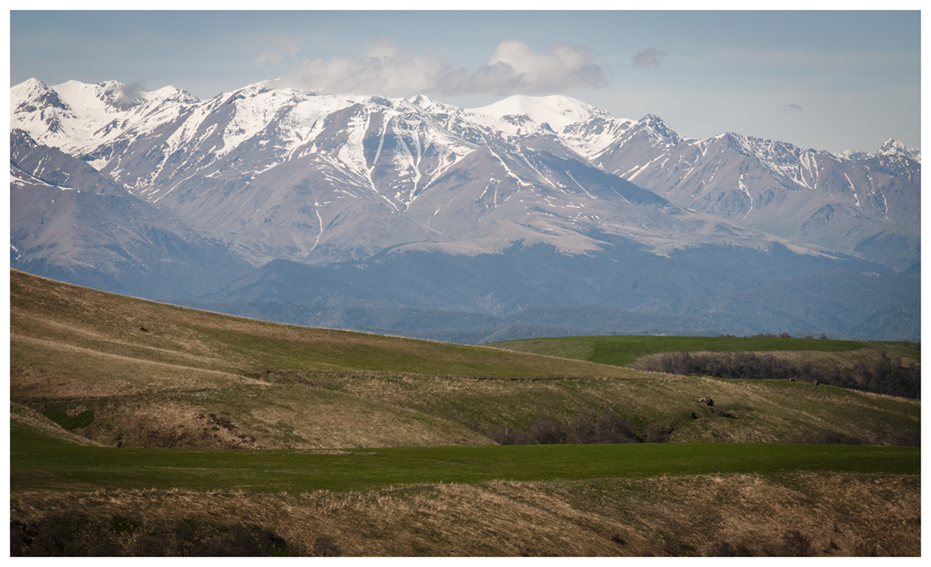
(626, 350)
(38, 462)
(884, 376)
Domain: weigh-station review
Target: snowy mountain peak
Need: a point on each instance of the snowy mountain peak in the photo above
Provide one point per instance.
(557, 111)
(659, 131)
(890, 147)
(421, 100)
(34, 95)
(28, 89)
(893, 147)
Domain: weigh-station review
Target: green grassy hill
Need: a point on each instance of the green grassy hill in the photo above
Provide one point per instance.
(125, 413)
(155, 375)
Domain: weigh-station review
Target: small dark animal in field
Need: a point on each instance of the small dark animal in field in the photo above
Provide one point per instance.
(143, 329)
(707, 401)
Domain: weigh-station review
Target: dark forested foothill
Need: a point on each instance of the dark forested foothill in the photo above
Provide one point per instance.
(883, 376)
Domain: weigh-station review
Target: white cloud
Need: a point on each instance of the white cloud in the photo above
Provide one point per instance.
(267, 56)
(513, 68)
(516, 65)
(283, 44)
(649, 58)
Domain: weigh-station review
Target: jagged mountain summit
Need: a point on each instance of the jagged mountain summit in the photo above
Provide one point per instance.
(288, 174)
(890, 147)
(349, 176)
(264, 174)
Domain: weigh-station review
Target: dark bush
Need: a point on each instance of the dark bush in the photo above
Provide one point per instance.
(657, 433)
(614, 429)
(69, 422)
(547, 431)
(584, 427)
(509, 436)
(607, 427)
(884, 376)
(237, 543)
(829, 438)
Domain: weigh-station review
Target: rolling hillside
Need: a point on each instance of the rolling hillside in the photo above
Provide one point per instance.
(297, 441)
(155, 375)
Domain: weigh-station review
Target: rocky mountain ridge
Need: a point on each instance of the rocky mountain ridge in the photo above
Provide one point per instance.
(218, 188)
(349, 176)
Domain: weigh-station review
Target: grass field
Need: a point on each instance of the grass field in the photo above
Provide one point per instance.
(140, 428)
(628, 350)
(42, 463)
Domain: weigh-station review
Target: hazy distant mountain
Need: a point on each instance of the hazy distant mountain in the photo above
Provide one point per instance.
(283, 174)
(865, 207)
(69, 222)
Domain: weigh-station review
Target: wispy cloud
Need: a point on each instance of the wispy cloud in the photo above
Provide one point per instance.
(283, 44)
(790, 108)
(514, 67)
(268, 56)
(649, 58)
(130, 93)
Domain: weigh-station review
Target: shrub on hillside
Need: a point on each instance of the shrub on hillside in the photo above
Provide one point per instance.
(657, 433)
(547, 431)
(607, 427)
(829, 438)
(69, 422)
(586, 427)
(883, 376)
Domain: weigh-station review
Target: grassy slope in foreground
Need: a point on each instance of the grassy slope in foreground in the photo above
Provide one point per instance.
(621, 500)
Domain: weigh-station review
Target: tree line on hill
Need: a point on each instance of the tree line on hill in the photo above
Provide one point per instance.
(883, 376)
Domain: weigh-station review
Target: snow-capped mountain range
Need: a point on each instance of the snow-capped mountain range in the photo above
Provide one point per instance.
(272, 173)
(349, 176)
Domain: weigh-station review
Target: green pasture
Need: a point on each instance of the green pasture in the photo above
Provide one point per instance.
(38, 462)
(625, 350)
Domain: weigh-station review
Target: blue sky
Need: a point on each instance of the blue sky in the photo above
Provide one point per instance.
(825, 80)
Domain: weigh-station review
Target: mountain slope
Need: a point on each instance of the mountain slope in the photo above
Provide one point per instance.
(289, 174)
(277, 174)
(803, 196)
(68, 222)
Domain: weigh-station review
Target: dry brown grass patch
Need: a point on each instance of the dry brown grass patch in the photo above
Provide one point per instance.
(820, 514)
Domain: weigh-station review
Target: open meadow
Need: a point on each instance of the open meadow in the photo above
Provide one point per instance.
(140, 428)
